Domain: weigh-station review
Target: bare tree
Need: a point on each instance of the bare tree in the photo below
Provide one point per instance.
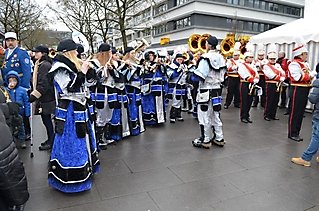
(120, 10)
(20, 16)
(83, 16)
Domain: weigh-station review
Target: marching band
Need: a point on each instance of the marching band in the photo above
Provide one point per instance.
(103, 99)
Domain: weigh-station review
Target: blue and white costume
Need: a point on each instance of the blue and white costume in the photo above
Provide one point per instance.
(133, 90)
(176, 82)
(210, 71)
(74, 157)
(153, 103)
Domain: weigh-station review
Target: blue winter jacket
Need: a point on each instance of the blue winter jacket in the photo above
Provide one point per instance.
(19, 95)
(314, 97)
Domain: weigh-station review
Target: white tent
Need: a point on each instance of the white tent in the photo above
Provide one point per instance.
(287, 36)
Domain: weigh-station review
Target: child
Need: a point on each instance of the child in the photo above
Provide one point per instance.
(19, 95)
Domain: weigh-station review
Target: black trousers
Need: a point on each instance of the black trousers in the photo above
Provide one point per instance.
(233, 91)
(283, 96)
(27, 127)
(46, 119)
(245, 100)
(298, 102)
(262, 84)
(272, 99)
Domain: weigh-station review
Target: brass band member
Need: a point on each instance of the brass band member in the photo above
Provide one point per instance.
(249, 78)
(259, 63)
(233, 81)
(300, 76)
(275, 77)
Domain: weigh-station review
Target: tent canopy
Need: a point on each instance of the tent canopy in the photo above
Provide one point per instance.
(298, 31)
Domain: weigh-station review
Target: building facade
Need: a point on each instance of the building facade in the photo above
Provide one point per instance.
(175, 20)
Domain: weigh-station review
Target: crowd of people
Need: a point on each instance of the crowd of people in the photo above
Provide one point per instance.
(99, 101)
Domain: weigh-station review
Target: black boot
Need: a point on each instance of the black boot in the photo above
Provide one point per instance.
(172, 115)
(184, 107)
(107, 134)
(47, 145)
(100, 139)
(190, 106)
(179, 114)
(198, 141)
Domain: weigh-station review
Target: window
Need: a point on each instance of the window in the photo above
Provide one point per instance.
(160, 29)
(180, 2)
(182, 23)
(255, 27)
(160, 8)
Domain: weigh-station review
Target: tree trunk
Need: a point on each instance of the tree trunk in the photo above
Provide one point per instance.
(123, 33)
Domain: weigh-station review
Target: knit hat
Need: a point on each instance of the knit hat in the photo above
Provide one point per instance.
(10, 35)
(128, 49)
(104, 47)
(212, 40)
(299, 50)
(41, 48)
(66, 45)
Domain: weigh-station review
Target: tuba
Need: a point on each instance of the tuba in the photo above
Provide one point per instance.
(244, 39)
(52, 53)
(202, 42)
(197, 43)
(193, 42)
(227, 45)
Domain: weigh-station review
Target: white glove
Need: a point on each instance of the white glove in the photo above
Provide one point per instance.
(282, 78)
(256, 80)
(312, 74)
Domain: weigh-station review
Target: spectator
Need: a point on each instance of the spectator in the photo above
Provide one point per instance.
(13, 182)
(19, 95)
(43, 93)
(312, 149)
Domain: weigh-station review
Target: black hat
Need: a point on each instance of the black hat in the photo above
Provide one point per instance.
(79, 48)
(66, 45)
(170, 52)
(212, 40)
(41, 48)
(128, 49)
(104, 47)
(179, 55)
(113, 50)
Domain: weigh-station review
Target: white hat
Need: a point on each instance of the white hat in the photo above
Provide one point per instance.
(299, 50)
(248, 54)
(236, 52)
(10, 35)
(261, 52)
(272, 55)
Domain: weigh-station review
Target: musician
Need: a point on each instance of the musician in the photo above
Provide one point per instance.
(233, 81)
(191, 91)
(74, 157)
(132, 71)
(300, 77)
(104, 88)
(249, 78)
(176, 72)
(275, 77)
(283, 61)
(209, 73)
(259, 63)
(153, 104)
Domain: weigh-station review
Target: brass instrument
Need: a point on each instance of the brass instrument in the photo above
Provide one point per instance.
(193, 42)
(52, 53)
(144, 44)
(197, 43)
(253, 89)
(243, 39)
(227, 45)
